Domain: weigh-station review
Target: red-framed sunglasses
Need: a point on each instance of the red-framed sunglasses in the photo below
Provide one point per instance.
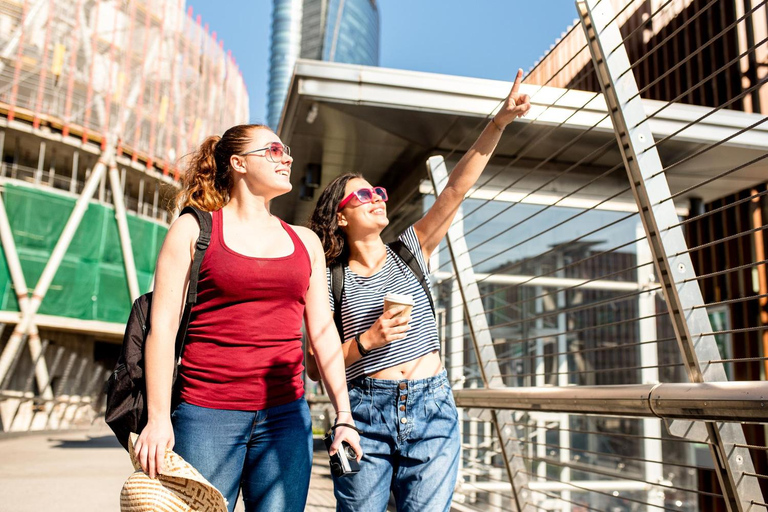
(365, 195)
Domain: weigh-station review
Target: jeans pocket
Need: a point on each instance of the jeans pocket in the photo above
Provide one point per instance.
(444, 401)
(356, 398)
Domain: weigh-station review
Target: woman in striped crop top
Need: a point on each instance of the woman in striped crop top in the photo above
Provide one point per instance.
(242, 420)
(401, 399)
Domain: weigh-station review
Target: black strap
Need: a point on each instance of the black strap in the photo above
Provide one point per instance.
(203, 240)
(402, 250)
(337, 281)
(348, 425)
(337, 289)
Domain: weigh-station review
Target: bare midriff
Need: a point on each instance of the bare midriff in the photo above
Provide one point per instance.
(424, 367)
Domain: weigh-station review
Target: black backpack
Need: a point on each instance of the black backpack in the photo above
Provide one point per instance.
(337, 281)
(126, 391)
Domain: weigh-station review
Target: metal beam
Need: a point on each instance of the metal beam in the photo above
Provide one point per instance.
(733, 464)
(122, 228)
(705, 401)
(482, 341)
(20, 286)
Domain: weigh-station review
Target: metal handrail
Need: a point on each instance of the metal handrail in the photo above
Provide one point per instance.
(707, 401)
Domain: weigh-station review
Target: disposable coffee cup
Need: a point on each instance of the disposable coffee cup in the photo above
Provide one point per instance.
(393, 300)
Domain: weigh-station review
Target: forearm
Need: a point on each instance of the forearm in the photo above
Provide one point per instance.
(158, 371)
(330, 364)
(351, 352)
(471, 166)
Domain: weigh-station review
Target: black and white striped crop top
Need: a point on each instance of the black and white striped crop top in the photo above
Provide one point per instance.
(362, 303)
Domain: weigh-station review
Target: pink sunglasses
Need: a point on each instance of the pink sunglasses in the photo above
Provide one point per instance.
(364, 195)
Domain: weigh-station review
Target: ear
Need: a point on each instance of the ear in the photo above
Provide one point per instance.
(237, 163)
(341, 220)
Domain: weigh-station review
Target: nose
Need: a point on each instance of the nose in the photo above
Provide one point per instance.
(287, 159)
(376, 198)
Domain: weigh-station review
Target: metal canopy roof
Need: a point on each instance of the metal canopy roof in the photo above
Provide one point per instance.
(385, 123)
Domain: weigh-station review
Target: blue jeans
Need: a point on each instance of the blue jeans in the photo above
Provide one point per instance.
(411, 445)
(268, 453)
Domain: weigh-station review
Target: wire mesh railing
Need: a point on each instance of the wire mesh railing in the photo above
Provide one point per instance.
(564, 270)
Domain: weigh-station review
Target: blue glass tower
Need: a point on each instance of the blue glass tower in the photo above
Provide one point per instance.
(331, 30)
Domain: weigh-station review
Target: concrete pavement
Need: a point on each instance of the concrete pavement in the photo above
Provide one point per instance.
(83, 471)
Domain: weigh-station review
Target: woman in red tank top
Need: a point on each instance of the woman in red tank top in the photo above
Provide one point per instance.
(242, 421)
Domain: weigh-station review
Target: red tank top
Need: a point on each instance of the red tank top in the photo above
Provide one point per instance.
(243, 349)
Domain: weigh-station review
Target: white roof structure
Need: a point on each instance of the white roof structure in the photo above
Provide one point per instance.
(385, 123)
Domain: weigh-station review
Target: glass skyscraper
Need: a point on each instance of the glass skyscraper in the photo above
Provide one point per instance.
(331, 30)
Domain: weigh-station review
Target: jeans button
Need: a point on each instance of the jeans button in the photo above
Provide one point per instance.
(402, 385)
(402, 398)
(403, 420)
(402, 407)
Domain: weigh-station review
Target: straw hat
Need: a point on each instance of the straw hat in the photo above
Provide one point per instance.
(180, 488)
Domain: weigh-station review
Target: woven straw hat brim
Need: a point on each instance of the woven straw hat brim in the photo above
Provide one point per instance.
(180, 488)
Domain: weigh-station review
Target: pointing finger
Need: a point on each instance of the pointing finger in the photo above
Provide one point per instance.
(518, 80)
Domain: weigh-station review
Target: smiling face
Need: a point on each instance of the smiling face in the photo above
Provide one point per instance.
(264, 164)
(359, 219)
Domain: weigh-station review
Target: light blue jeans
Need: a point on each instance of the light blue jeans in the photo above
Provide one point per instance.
(411, 445)
(268, 453)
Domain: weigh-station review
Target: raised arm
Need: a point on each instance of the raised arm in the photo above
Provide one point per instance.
(325, 343)
(434, 225)
(171, 281)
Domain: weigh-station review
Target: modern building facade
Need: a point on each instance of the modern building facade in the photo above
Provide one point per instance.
(98, 102)
(725, 41)
(330, 30)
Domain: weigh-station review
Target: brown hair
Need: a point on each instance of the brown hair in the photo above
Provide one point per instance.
(324, 221)
(207, 181)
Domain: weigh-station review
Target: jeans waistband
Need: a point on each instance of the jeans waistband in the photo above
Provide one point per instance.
(368, 383)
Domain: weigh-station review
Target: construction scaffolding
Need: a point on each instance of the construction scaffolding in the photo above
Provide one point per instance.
(75, 65)
(99, 100)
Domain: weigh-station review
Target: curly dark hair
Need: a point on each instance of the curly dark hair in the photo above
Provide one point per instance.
(324, 222)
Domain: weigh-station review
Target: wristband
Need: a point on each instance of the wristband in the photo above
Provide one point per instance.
(493, 120)
(360, 348)
(337, 425)
(337, 412)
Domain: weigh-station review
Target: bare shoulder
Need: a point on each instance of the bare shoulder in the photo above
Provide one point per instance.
(183, 233)
(310, 239)
(307, 235)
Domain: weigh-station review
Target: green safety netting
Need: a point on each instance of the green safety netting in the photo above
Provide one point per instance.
(91, 282)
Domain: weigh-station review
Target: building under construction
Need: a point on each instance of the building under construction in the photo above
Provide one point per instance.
(99, 99)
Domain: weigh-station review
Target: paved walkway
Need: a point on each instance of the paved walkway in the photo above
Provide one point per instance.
(84, 471)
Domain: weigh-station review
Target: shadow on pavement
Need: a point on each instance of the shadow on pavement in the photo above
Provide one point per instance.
(89, 443)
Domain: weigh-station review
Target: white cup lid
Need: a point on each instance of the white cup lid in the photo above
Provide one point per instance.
(399, 298)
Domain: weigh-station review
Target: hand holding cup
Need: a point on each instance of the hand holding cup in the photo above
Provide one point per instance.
(392, 325)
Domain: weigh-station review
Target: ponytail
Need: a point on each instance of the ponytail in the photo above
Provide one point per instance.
(208, 180)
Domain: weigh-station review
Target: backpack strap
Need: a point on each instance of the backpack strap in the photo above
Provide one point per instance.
(405, 254)
(337, 281)
(203, 241)
(337, 289)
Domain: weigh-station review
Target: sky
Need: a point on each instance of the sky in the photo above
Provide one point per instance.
(480, 38)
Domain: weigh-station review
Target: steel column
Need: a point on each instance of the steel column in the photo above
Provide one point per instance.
(125, 235)
(483, 343)
(671, 259)
(20, 285)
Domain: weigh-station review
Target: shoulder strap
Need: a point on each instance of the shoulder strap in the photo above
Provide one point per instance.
(203, 240)
(405, 254)
(337, 289)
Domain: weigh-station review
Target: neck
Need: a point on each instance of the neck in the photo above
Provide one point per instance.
(367, 253)
(249, 207)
